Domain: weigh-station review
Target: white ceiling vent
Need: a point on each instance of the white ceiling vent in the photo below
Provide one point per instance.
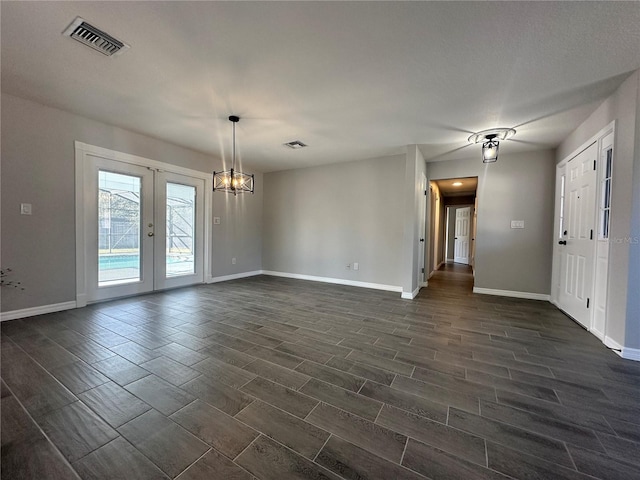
(95, 38)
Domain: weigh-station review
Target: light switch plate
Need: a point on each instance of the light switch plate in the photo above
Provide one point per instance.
(517, 223)
(25, 209)
(216, 220)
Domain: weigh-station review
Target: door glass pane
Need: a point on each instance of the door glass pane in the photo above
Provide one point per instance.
(118, 228)
(181, 218)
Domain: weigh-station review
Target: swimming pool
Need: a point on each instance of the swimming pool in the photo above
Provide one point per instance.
(110, 262)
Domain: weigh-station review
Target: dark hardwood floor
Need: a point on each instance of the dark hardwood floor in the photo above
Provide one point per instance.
(279, 379)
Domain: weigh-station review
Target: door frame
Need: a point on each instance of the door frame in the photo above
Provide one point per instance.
(82, 151)
(598, 138)
(422, 235)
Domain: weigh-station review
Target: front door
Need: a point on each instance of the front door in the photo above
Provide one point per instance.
(461, 243)
(576, 240)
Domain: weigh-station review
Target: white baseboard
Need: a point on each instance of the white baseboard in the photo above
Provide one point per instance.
(33, 311)
(234, 276)
(338, 281)
(613, 345)
(424, 284)
(512, 293)
(597, 333)
(410, 295)
(631, 354)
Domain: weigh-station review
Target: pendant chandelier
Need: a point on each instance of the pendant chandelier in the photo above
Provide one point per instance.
(232, 181)
(490, 142)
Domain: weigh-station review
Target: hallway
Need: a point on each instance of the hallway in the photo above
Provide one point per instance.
(273, 378)
(455, 278)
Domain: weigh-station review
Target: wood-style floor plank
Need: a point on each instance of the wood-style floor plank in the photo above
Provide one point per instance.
(272, 378)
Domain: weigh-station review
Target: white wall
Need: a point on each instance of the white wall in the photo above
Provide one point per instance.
(623, 303)
(38, 162)
(517, 187)
(317, 220)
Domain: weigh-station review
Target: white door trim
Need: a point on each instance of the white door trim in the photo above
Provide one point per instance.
(82, 150)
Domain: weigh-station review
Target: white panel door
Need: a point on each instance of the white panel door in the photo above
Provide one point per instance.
(577, 238)
(462, 231)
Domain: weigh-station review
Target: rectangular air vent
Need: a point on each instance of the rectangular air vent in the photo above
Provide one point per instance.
(95, 38)
(295, 144)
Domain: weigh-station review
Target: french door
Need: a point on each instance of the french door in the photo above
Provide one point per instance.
(143, 228)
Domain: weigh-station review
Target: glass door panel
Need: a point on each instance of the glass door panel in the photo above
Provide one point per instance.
(179, 258)
(119, 217)
(181, 228)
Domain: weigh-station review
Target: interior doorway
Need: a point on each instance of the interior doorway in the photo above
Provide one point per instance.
(453, 208)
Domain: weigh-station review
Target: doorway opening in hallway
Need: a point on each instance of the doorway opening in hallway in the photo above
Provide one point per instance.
(452, 227)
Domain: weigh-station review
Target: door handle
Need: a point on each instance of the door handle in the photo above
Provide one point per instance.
(562, 242)
(422, 239)
(150, 234)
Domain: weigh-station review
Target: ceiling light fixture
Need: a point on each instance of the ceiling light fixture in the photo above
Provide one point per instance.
(232, 181)
(491, 142)
(457, 184)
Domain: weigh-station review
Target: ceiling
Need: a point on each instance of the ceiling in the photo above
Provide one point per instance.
(353, 80)
(448, 189)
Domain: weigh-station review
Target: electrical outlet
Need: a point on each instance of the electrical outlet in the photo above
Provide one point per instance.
(356, 265)
(233, 261)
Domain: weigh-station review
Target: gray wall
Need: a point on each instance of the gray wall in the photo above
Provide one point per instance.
(623, 302)
(517, 187)
(239, 234)
(38, 163)
(317, 220)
